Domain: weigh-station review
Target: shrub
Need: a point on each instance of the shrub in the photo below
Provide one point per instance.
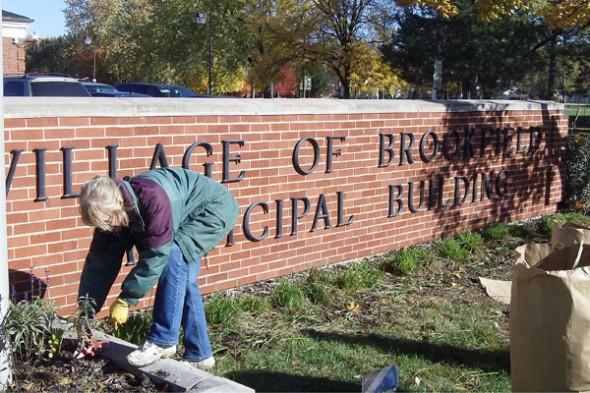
(27, 327)
(253, 304)
(411, 259)
(519, 231)
(545, 224)
(359, 275)
(452, 249)
(577, 164)
(222, 309)
(319, 288)
(472, 242)
(495, 231)
(289, 296)
(136, 329)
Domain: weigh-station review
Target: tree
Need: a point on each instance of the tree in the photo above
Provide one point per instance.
(337, 39)
(480, 59)
(57, 54)
(163, 41)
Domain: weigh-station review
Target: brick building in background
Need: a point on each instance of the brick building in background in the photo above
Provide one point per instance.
(14, 34)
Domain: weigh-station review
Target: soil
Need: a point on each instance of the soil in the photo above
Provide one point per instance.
(64, 374)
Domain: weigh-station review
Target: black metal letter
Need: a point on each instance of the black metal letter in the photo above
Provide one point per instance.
(246, 225)
(466, 182)
(398, 198)
(227, 159)
(67, 168)
(15, 153)
(331, 152)
(321, 213)
(341, 222)
(411, 197)
(279, 203)
(112, 153)
(186, 158)
(159, 156)
(294, 216)
(436, 143)
(446, 145)
(316, 155)
(406, 151)
(385, 149)
(40, 174)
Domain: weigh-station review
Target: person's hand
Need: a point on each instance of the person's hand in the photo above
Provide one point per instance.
(119, 312)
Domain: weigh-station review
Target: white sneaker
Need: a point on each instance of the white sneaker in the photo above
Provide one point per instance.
(205, 364)
(149, 353)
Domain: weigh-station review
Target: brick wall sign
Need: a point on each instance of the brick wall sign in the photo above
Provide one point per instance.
(318, 181)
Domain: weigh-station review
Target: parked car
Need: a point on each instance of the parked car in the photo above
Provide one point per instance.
(43, 86)
(104, 90)
(156, 89)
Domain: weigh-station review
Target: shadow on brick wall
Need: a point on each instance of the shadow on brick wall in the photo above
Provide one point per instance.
(26, 286)
(531, 175)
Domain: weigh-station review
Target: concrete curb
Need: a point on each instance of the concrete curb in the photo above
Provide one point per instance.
(178, 376)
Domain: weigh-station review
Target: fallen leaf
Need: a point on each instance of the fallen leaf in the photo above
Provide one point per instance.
(63, 381)
(417, 381)
(384, 300)
(354, 308)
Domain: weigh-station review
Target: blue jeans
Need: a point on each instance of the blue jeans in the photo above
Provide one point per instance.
(178, 303)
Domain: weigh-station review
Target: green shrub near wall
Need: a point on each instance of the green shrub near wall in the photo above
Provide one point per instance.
(578, 171)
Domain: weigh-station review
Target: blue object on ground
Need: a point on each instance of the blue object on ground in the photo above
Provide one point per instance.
(382, 381)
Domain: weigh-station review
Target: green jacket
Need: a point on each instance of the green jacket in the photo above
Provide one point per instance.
(165, 205)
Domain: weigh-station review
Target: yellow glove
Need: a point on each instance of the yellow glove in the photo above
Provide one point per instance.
(119, 312)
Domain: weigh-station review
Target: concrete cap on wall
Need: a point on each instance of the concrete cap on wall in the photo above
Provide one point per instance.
(31, 107)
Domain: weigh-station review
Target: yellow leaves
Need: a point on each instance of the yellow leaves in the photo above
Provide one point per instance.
(447, 8)
(354, 308)
(563, 14)
(566, 14)
(489, 10)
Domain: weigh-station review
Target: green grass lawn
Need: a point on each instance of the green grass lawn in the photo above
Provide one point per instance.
(577, 110)
(421, 309)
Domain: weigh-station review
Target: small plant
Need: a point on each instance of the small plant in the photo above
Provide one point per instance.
(289, 296)
(253, 304)
(452, 249)
(520, 231)
(136, 329)
(503, 250)
(319, 288)
(359, 275)
(472, 242)
(408, 260)
(495, 231)
(27, 326)
(222, 309)
(545, 225)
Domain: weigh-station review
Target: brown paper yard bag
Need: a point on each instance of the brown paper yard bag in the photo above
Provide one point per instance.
(550, 319)
(564, 234)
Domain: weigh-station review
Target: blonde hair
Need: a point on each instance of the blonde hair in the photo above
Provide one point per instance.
(100, 202)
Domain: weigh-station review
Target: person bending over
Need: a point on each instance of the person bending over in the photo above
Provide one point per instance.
(173, 217)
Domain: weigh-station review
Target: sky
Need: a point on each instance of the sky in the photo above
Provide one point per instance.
(48, 15)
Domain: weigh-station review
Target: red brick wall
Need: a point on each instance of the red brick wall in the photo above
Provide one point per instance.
(47, 238)
(14, 57)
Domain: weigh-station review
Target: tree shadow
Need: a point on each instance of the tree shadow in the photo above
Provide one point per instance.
(265, 381)
(472, 358)
(532, 164)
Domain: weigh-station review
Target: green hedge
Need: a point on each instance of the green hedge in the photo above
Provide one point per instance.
(578, 171)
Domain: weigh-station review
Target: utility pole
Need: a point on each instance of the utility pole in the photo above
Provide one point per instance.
(5, 367)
